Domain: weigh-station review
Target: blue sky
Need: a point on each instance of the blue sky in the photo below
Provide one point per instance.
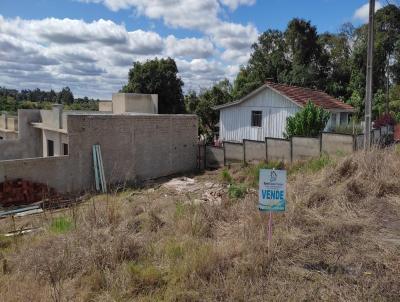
(89, 45)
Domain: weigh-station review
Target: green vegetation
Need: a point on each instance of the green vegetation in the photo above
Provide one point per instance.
(158, 76)
(309, 121)
(11, 100)
(61, 225)
(331, 62)
(237, 191)
(226, 176)
(312, 165)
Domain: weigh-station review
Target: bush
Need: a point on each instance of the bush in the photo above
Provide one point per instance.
(348, 129)
(309, 121)
(384, 120)
(236, 191)
(226, 176)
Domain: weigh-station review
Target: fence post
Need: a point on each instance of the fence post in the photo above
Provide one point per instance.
(266, 149)
(320, 144)
(291, 149)
(205, 156)
(244, 151)
(223, 145)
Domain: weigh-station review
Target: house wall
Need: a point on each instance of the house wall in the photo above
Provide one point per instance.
(29, 142)
(134, 102)
(235, 121)
(105, 106)
(134, 148)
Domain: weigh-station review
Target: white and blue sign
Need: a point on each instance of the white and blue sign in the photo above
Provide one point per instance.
(272, 194)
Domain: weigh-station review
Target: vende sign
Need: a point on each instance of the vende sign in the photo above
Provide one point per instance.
(272, 193)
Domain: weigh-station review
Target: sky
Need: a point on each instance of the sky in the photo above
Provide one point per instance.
(89, 45)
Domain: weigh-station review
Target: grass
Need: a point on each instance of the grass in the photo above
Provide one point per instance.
(237, 191)
(337, 241)
(313, 165)
(61, 225)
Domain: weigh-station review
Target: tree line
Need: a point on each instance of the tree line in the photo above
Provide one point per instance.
(299, 55)
(11, 100)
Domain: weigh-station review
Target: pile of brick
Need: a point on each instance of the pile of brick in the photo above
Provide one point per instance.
(22, 192)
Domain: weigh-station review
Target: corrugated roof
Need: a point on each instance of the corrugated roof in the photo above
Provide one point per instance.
(300, 96)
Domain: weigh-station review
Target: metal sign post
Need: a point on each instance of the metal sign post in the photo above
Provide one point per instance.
(272, 194)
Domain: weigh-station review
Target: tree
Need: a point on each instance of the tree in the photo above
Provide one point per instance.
(203, 104)
(158, 76)
(65, 96)
(309, 121)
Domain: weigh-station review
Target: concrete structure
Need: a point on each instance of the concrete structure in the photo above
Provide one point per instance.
(8, 127)
(263, 112)
(105, 106)
(134, 102)
(55, 147)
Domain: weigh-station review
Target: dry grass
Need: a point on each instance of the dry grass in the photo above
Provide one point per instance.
(338, 241)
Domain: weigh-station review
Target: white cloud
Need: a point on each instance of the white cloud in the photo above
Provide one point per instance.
(189, 47)
(94, 58)
(234, 4)
(362, 13)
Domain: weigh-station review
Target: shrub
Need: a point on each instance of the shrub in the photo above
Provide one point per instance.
(309, 121)
(384, 120)
(236, 191)
(226, 176)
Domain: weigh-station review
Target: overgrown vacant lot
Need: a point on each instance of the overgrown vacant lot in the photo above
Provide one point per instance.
(339, 240)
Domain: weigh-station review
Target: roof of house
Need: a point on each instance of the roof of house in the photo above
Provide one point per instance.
(298, 95)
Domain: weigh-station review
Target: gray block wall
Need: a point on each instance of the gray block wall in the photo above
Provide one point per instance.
(254, 151)
(134, 148)
(305, 148)
(233, 152)
(278, 149)
(29, 141)
(214, 156)
(333, 143)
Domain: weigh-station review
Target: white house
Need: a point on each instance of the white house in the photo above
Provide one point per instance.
(263, 112)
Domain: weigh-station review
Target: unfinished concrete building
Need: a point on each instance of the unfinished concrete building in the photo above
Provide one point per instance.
(54, 147)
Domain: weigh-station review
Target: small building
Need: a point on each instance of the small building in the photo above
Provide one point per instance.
(54, 147)
(263, 112)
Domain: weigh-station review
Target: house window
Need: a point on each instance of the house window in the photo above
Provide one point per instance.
(256, 118)
(65, 148)
(50, 148)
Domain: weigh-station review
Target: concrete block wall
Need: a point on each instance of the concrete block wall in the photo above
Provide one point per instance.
(134, 102)
(233, 152)
(29, 142)
(56, 172)
(254, 151)
(305, 148)
(278, 149)
(214, 156)
(334, 143)
(134, 148)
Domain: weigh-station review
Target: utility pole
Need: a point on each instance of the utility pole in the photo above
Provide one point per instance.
(368, 86)
(387, 83)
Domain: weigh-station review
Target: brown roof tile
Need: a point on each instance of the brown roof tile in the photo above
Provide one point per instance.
(302, 95)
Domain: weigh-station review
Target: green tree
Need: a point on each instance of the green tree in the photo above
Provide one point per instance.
(309, 121)
(65, 96)
(158, 76)
(203, 104)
